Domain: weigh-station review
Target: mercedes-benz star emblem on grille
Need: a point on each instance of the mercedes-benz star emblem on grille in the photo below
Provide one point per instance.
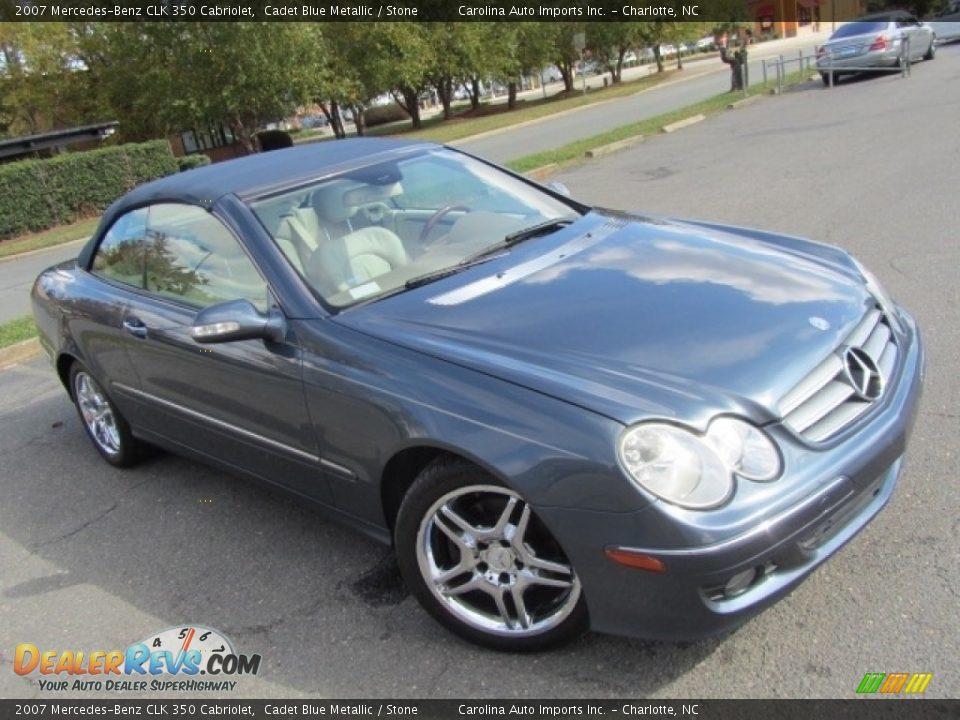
(862, 373)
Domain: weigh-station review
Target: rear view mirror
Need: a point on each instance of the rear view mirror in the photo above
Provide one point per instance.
(237, 320)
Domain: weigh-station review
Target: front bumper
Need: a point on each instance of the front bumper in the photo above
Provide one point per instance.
(854, 480)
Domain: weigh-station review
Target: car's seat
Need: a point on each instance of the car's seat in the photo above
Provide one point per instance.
(358, 257)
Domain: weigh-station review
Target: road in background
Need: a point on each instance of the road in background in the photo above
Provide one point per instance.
(96, 558)
(699, 81)
(18, 273)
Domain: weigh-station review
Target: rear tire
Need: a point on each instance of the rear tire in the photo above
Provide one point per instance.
(932, 50)
(106, 427)
(482, 564)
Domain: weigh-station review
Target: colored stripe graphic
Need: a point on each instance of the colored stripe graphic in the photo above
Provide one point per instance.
(870, 683)
(918, 683)
(894, 683)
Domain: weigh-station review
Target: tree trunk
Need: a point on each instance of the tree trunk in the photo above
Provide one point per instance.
(566, 72)
(410, 103)
(243, 136)
(512, 94)
(474, 92)
(358, 122)
(445, 90)
(658, 57)
(679, 59)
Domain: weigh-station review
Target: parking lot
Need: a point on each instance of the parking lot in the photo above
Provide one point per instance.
(96, 558)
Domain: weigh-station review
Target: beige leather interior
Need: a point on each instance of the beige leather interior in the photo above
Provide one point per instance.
(361, 256)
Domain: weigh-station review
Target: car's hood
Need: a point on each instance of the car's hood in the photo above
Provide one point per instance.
(634, 318)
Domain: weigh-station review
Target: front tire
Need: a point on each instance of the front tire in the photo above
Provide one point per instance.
(479, 560)
(932, 50)
(106, 427)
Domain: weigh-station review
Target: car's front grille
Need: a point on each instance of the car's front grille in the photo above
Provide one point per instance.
(846, 384)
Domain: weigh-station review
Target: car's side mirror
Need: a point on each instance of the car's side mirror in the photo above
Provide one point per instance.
(559, 188)
(237, 320)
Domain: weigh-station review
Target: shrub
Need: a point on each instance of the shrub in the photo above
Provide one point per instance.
(189, 162)
(274, 140)
(384, 114)
(40, 194)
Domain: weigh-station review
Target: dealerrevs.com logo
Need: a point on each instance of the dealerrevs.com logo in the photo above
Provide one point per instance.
(173, 659)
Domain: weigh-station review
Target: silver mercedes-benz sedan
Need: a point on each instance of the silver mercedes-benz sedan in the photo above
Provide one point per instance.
(875, 42)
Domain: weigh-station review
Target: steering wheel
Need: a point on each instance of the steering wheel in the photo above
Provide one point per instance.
(432, 223)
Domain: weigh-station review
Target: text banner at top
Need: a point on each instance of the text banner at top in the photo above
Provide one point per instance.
(715, 11)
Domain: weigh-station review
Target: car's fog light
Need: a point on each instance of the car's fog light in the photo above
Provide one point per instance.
(739, 583)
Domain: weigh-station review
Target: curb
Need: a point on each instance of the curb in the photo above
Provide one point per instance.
(544, 171)
(746, 101)
(19, 352)
(693, 119)
(613, 147)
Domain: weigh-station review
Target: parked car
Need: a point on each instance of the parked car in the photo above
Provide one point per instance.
(946, 25)
(551, 73)
(706, 44)
(875, 41)
(559, 416)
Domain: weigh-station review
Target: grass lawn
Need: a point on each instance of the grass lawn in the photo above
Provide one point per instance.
(48, 238)
(16, 331)
(574, 151)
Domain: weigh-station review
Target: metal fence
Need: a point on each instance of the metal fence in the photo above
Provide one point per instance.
(779, 66)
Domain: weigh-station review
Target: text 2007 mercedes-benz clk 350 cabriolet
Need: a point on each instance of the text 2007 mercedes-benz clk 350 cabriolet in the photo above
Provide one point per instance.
(560, 416)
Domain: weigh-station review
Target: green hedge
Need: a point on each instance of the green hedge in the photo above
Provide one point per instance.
(383, 114)
(40, 194)
(189, 162)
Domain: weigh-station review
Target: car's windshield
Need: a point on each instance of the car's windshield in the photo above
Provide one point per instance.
(370, 232)
(858, 28)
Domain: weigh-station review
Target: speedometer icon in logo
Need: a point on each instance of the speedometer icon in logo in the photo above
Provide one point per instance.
(184, 639)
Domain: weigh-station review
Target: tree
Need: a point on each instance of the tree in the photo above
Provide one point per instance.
(610, 41)
(397, 58)
(166, 77)
(530, 50)
(43, 81)
(564, 53)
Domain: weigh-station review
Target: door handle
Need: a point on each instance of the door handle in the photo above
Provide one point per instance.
(135, 327)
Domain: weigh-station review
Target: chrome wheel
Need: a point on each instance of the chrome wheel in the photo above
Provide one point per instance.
(97, 414)
(493, 565)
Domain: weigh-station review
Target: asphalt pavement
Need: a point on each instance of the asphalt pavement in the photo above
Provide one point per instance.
(96, 558)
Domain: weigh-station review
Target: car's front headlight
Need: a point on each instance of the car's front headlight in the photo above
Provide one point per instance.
(875, 288)
(697, 471)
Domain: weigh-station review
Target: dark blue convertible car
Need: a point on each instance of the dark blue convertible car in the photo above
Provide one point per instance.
(560, 416)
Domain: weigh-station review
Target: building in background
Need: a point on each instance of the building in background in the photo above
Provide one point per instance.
(790, 18)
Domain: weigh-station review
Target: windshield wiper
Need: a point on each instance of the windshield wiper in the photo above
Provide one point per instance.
(430, 277)
(538, 229)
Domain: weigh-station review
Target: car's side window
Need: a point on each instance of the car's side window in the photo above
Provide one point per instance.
(192, 258)
(120, 254)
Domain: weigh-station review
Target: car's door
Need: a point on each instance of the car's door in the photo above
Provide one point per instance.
(98, 328)
(240, 402)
